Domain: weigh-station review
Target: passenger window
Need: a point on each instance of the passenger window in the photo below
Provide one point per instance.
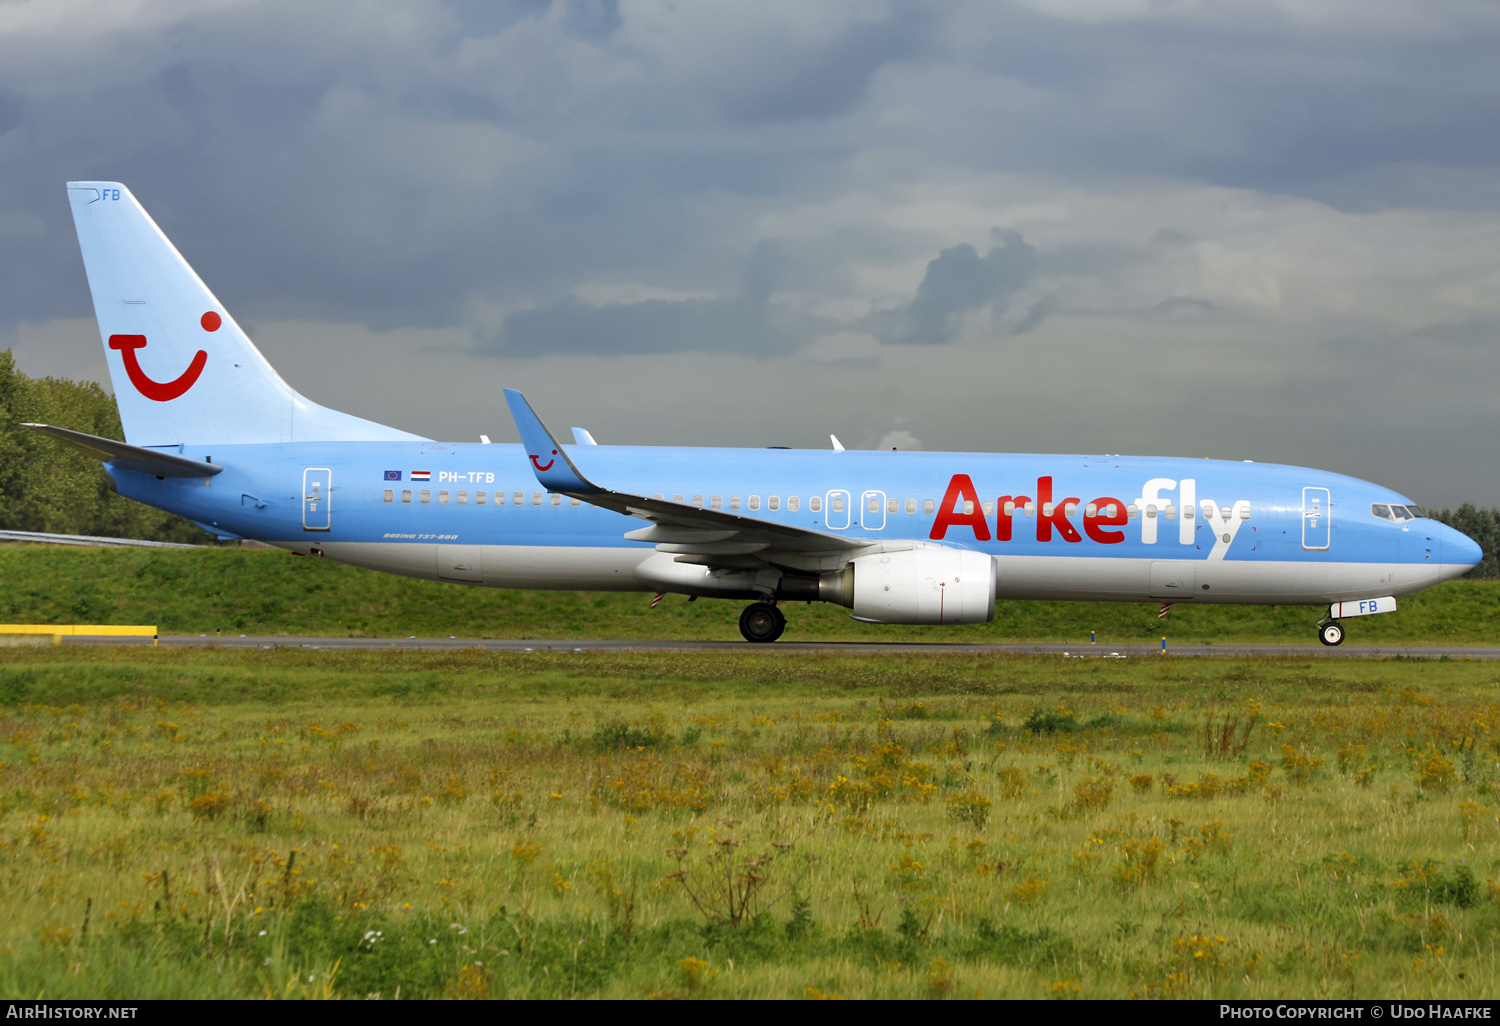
(1225, 513)
(698, 501)
(1030, 509)
(968, 507)
(1010, 509)
(1170, 511)
(1070, 509)
(519, 498)
(716, 501)
(463, 498)
(479, 498)
(928, 506)
(575, 502)
(1151, 511)
(893, 506)
(536, 498)
(676, 498)
(443, 497)
(755, 502)
(387, 495)
(406, 495)
(1244, 512)
(911, 505)
(792, 502)
(556, 499)
(874, 506)
(838, 504)
(773, 503)
(1091, 510)
(425, 495)
(657, 495)
(1132, 511)
(988, 507)
(734, 502)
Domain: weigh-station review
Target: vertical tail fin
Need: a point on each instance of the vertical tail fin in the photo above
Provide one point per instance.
(183, 371)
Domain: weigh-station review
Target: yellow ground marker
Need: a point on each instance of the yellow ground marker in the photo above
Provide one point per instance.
(81, 630)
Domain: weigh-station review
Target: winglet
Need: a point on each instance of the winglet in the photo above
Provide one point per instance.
(838, 446)
(554, 470)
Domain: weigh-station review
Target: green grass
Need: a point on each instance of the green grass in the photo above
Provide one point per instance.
(209, 823)
(259, 591)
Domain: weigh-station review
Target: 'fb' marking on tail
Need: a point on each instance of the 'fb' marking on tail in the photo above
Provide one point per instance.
(160, 391)
(538, 466)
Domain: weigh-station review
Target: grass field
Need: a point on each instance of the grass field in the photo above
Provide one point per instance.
(179, 823)
(259, 591)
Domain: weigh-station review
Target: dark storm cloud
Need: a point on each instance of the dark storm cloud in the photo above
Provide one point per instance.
(744, 325)
(814, 83)
(960, 281)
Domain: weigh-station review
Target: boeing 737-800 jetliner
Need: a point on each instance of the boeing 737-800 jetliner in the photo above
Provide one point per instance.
(215, 435)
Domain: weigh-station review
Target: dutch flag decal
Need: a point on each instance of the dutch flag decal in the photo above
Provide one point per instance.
(421, 475)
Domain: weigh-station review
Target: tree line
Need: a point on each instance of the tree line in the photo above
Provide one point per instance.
(48, 486)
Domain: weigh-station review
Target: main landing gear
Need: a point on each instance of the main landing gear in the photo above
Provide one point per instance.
(762, 622)
(1331, 633)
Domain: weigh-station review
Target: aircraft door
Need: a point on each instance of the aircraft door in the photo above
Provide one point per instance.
(1317, 515)
(837, 515)
(872, 511)
(317, 483)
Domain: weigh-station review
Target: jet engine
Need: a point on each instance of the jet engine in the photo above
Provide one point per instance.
(927, 584)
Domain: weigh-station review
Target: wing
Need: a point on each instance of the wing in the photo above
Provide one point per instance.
(707, 537)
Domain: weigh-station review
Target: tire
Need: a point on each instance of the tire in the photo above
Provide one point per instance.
(762, 622)
(1331, 633)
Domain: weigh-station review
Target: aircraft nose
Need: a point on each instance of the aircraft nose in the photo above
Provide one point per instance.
(1458, 548)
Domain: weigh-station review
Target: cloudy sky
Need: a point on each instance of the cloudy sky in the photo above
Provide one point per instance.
(1243, 229)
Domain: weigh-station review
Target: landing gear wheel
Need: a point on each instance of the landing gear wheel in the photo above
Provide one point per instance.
(1331, 633)
(762, 622)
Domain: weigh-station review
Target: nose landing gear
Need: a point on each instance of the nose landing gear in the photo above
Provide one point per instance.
(762, 622)
(1331, 633)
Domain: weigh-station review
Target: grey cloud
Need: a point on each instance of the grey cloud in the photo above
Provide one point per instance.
(960, 280)
(744, 325)
(823, 81)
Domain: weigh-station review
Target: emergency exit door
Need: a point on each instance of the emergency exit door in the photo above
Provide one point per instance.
(317, 483)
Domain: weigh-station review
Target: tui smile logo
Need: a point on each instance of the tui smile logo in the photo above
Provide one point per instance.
(538, 466)
(162, 391)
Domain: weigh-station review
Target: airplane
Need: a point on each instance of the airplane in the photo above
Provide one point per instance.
(215, 435)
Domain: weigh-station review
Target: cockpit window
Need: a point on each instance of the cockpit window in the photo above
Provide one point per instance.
(1417, 512)
(1381, 510)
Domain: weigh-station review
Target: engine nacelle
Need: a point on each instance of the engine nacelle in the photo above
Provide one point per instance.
(927, 584)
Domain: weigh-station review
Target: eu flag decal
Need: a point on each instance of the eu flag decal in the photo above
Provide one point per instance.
(393, 475)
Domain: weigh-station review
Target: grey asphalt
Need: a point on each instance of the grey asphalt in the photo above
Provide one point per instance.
(1085, 650)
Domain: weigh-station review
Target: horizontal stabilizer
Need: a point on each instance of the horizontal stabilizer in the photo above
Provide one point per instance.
(130, 457)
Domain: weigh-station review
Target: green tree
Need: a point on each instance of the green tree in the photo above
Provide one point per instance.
(48, 486)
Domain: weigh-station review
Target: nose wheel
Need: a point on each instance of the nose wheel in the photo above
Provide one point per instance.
(762, 622)
(1331, 633)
